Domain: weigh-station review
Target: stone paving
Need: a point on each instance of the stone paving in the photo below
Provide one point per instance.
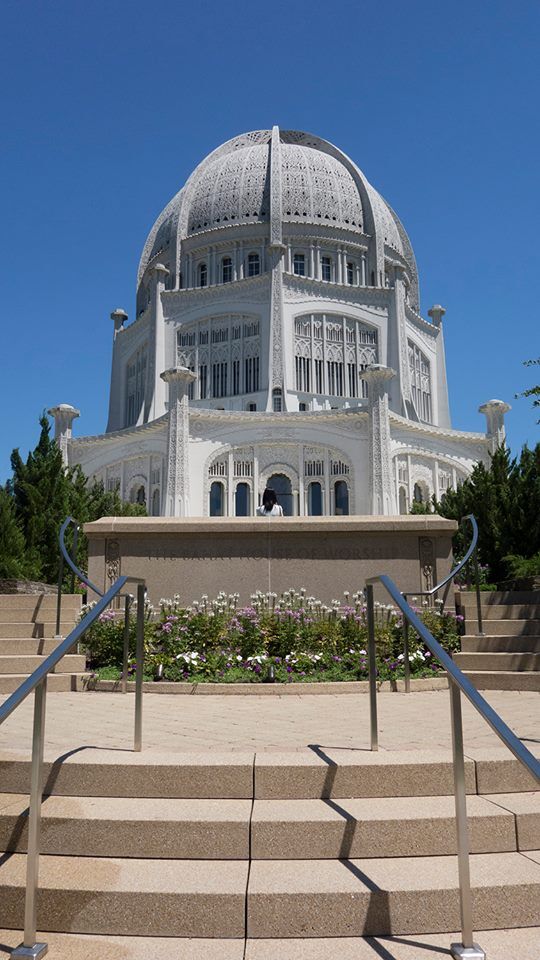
(172, 723)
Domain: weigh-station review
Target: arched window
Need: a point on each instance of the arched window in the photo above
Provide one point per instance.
(421, 493)
(203, 275)
(350, 273)
(226, 270)
(217, 499)
(254, 265)
(315, 499)
(242, 500)
(403, 500)
(341, 498)
(299, 264)
(277, 400)
(156, 503)
(283, 488)
(140, 496)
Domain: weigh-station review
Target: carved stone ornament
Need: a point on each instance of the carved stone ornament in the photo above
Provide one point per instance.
(428, 567)
(112, 560)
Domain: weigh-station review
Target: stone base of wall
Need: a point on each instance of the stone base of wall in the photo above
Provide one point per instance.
(325, 555)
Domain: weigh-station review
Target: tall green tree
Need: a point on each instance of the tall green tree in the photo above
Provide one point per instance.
(505, 499)
(41, 492)
(13, 561)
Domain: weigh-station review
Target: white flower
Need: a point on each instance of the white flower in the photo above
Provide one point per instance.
(239, 658)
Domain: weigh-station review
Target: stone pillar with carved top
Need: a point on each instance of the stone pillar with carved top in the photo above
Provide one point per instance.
(381, 480)
(494, 411)
(64, 415)
(176, 503)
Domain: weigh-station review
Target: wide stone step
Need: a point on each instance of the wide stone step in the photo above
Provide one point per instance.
(27, 646)
(499, 945)
(34, 628)
(502, 611)
(498, 644)
(81, 946)
(131, 897)
(508, 628)
(526, 809)
(504, 680)
(39, 616)
(126, 827)
(343, 898)
(295, 775)
(380, 827)
(36, 602)
(56, 683)
(498, 661)
(489, 597)
(12, 663)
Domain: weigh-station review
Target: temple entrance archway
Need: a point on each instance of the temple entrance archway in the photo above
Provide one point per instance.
(283, 487)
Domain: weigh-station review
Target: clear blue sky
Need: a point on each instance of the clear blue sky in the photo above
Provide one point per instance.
(107, 107)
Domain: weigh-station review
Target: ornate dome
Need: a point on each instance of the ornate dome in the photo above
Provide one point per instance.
(318, 184)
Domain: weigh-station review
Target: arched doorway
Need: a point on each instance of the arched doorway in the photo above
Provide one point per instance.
(341, 498)
(315, 499)
(283, 487)
(217, 499)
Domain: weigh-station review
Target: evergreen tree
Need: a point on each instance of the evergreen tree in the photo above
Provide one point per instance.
(40, 489)
(505, 499)
(13, 562)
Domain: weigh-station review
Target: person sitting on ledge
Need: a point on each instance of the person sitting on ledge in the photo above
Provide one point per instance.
(269, 507)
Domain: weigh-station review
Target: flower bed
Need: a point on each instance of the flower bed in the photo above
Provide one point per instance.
(293, 638)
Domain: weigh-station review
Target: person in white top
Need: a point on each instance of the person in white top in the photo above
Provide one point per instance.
(269, 507)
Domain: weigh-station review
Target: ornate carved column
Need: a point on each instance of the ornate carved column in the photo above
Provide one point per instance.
(381, 480)
(494, 411)
(177, 483)
(64, 415)
(276, 250)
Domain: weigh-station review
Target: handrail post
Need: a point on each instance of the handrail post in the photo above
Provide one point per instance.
(406, 661)
(125, 667)
(372, 668)
(139, 666)
(480, 631)
(467, 949)
(30, 947)
(59, 597)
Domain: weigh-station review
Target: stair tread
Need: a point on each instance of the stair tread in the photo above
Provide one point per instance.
(103, 874)
(390, 873)
(136, 809)
(80, 946)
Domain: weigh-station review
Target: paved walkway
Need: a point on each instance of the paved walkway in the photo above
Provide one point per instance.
(178, 723)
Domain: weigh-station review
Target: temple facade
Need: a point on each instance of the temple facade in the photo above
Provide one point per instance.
(278, 341)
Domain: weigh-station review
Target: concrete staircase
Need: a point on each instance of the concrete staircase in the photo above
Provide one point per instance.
(27, 629)
(507, 657)
(303, 854)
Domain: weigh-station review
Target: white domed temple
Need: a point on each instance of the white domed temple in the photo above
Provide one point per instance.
(278, 341)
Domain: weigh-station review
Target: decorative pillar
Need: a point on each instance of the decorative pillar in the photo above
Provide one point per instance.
(177, 484)
(363, 269)
(494, 411)
(154, 401)
(381, 480)
(436, 312)
(64, 415)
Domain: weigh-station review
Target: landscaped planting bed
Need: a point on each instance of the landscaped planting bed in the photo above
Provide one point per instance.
(293, 638)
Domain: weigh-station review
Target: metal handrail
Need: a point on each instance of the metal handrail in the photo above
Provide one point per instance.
(65, 557)
(459, 684)
(37, 683)
(446, 582)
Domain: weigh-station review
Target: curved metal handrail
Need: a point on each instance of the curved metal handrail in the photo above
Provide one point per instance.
(83, 577)
(496, 723)
(462, 563)
(458, 684)
(37, 683)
